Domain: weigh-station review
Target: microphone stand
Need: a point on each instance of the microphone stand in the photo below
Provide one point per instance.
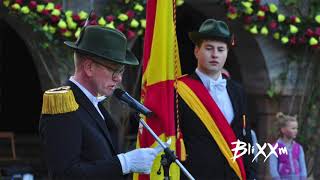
(166, 161)
(168, 157)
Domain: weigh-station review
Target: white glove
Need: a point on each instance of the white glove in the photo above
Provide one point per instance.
(168, 143)
(141, 160)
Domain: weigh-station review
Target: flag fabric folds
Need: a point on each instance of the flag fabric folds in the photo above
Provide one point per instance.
(161, 67)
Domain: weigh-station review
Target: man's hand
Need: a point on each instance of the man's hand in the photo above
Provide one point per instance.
(141, 160)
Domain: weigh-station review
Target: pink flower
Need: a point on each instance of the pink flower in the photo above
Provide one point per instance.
(309, 32)
(121, 27)
(32, 4)
(257, 1)
(293, 19)
(75, 17)
(54, 19)
(232, 9)
(20, 2)
(93, 15)
(293, 40)
(110, 18)
(93, 22)
(58, 6)
(130, 14)
(130, 34)
(317, 32)
(273, 25)
(45, 12)
(264, 8)
(62, 30)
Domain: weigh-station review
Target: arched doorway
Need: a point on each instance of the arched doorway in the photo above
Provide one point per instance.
(20, 86)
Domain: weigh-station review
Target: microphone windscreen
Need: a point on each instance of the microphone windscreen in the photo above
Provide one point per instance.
(118, 92)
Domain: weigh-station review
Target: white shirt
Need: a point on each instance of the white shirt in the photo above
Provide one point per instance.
(219, 95)
(93, 99)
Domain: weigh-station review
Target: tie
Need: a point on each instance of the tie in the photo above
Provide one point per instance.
(218, 85)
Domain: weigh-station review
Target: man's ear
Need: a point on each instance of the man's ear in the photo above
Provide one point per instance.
(88, 67)
(195, 51)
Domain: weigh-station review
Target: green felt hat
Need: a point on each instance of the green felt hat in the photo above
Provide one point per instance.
(106, 43)
(212, 29)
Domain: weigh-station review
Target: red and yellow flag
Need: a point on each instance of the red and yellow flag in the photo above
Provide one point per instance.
(161, 67)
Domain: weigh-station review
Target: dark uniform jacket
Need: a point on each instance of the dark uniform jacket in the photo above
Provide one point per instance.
(79, 144)
(204, 158)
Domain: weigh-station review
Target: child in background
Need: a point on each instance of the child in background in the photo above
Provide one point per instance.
(289, 166)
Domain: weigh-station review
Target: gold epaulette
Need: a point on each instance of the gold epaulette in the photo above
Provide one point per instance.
(59, 100)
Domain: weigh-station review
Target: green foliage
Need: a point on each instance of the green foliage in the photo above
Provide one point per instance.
(313, 6)
(289, 2)
(271, 92)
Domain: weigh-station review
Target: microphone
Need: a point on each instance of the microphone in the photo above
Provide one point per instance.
(125, 97)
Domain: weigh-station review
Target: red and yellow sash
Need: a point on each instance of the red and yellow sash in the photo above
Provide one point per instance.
(199, 100)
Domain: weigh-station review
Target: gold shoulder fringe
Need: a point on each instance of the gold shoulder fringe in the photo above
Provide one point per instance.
(59, 100)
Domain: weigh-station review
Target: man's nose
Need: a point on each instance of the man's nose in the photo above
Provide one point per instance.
(214, 52)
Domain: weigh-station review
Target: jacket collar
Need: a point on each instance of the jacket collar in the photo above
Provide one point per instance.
(84, 102)
(232, 91)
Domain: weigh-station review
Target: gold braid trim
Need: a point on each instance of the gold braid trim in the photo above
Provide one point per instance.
(59, 100)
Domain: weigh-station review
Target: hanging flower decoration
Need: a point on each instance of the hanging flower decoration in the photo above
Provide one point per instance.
(49, 17)
(258, 19)
(267, 20)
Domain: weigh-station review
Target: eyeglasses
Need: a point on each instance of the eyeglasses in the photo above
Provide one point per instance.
(116, 72)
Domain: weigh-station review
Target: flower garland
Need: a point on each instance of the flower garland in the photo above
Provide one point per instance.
(53, 20)
(266, 20)
(50, 18)
(258, 19)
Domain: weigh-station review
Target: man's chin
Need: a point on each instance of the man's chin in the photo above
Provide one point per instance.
(108, 92)
(215, 69)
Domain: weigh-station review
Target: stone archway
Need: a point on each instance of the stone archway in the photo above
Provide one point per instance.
(46, 62)
(22, 56)
(21, 89)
